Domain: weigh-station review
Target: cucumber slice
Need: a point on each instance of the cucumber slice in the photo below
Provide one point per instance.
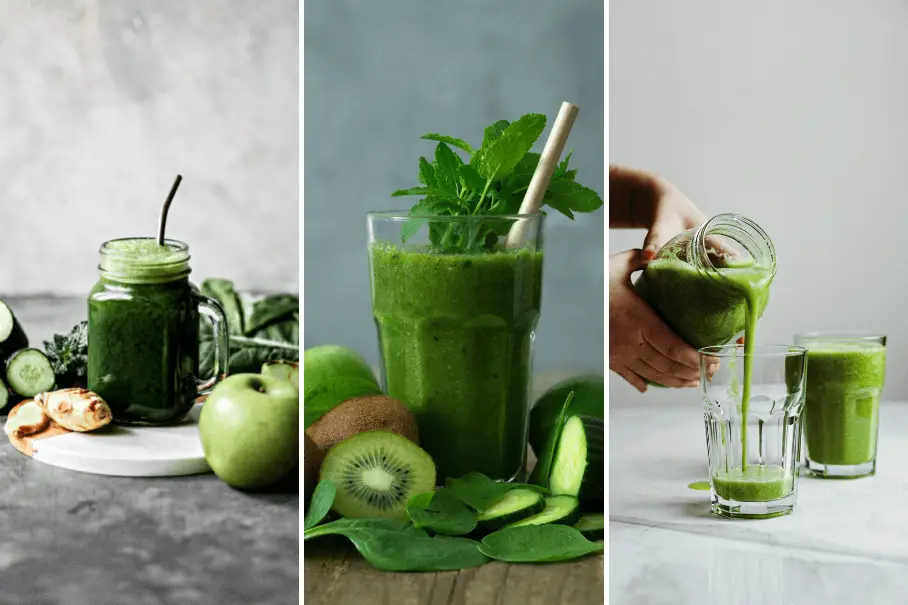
(564, 510)
(4, 397)
(29, 372)
(578, 467)
(516, 504)
(592, 526)
(12, 336)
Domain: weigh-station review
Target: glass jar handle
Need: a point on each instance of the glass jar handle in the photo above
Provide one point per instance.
(212, 310)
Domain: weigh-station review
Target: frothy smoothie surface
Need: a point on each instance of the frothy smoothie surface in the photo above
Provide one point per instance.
(844, 385)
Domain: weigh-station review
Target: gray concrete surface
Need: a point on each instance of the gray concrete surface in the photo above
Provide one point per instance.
(72, 538)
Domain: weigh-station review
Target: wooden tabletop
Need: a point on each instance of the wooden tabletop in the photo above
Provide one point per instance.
(335, 574)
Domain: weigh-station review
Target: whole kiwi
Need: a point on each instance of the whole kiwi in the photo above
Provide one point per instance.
(361, 414)
(312, 460)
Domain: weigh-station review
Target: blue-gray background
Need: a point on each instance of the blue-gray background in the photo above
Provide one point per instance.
(380, 74)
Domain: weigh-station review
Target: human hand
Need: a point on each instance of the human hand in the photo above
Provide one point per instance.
(641, 345)
(673, 213)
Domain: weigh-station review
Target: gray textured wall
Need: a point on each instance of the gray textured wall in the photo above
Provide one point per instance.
(102, 102)
(380, 74)
(791, 113)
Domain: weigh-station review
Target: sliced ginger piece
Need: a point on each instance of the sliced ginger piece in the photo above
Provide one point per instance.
(75, 409)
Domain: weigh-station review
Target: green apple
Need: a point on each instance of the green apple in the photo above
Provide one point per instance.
(250, 430)
(285, 370)
(332, 361)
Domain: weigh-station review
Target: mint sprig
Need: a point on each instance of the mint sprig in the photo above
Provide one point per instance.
(491, 183)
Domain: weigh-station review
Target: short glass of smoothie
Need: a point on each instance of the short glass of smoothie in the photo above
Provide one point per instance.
(456, 310)
(842, 414)
(753, 427)
(143, 332)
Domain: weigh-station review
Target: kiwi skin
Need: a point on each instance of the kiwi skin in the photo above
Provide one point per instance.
(312, 462)
(361, 414)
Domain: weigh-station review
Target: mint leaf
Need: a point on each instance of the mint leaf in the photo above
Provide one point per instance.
(431, 205)
(470, 179)
(494, 131)
(562, 172)
(459, 143)
(500, 156)
(413, 191)
(427, 173)
(566, 196)
(447, 164)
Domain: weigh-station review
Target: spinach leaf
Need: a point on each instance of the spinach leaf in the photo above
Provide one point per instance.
(262, 330)
(476, 490)
(222, 290)
(392, 545)
(345, 526)
(441, 513)
(538, 544)
(270, 309)
(320, 504)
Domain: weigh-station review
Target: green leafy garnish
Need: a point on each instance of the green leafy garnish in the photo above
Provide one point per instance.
(68, 355)
(538, 544)
(441, 513)
(490, 184)
(320, 504)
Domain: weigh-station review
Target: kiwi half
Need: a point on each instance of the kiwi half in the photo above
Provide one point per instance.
(375, 473)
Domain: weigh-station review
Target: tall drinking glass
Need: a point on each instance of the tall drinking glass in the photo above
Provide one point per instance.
(753, 445)
(456, 312)
(842, 415)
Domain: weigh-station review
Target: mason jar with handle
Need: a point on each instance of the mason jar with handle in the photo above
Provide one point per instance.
(143, 332)
(702, 281)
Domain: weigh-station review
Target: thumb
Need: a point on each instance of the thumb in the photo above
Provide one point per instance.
(627, 262)
(657, 236)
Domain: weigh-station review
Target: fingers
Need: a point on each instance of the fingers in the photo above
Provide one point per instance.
(627, 262)
(633, 379)
(670, 345)
(658, 235)
(666, 366)
(644, 369)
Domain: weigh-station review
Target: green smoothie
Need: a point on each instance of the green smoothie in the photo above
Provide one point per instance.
(757, 483)
(844, 384)
(705, 309)
(456, 337)
(143, 323)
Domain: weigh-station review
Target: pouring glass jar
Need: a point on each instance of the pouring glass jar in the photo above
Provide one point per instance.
(698, 280)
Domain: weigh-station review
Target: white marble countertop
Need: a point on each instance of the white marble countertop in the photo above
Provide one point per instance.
(846, 542)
